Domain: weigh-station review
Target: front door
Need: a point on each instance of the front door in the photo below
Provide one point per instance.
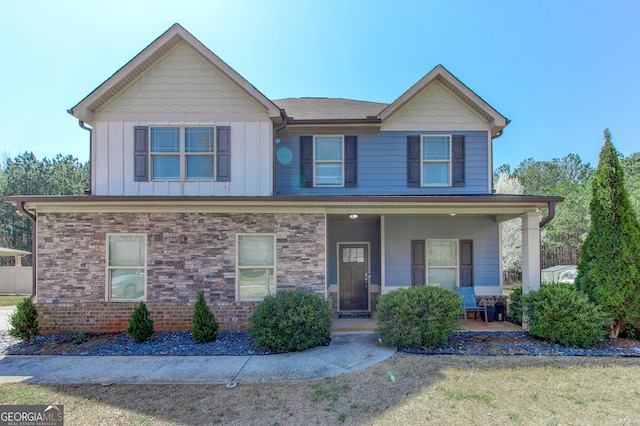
(353, 285)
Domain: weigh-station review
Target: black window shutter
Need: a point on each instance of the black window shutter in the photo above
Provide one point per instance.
(466, 263)
(223, 155)
(413, 161)
(306, 161)
(418, 267)
(351, 161)
(140, 154)
(458, 160)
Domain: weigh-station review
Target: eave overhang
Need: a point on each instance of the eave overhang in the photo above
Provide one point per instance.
(503, 205)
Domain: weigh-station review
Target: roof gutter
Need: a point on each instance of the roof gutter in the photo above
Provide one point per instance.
(550, 216)
(34, 257)
(274, 157)
(90, 130)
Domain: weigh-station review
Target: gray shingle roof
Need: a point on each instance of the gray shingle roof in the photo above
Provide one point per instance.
(328, 108)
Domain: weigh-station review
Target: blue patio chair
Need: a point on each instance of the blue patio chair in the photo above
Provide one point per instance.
(469, 303)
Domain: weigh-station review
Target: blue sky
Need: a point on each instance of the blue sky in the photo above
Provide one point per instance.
(562, 71)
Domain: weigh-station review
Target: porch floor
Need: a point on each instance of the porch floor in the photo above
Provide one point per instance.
(368, 324)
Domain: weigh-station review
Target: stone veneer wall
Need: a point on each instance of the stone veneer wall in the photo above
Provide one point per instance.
(186, 252)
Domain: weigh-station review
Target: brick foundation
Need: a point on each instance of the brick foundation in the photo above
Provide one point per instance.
(186, 253)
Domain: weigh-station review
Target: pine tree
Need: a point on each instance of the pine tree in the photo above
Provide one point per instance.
(205, 326)
(609, 270)
(141, 325)
(23, 323)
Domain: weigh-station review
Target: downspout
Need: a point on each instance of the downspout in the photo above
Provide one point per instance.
(34, 245)
(83, 126)
(550, 216)
(276, 129)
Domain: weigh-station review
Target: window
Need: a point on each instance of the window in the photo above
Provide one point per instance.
(436, 160)
(182, 153)
(126, 267)
(256, 266)
(442, 263)
(328, 160)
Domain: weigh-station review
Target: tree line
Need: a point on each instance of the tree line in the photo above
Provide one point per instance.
(26, 175)
(568, 177)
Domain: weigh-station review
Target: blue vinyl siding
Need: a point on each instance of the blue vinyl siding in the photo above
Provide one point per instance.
(382, 166)
(400, 230)
(339, 232)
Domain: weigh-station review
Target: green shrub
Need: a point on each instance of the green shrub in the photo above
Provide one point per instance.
(291, 321)
(140, 325)
(23, 323)
(563, 314)
(205, 326)
(515, 306)
(417, 316)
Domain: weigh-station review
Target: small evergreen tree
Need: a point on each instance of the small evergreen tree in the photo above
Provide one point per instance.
(609, 269)
(23, 323)
(141, 325)
(205, 326)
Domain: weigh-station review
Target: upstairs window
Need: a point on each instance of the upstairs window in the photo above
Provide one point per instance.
(436, 160)
(183, 153)
(328, 160)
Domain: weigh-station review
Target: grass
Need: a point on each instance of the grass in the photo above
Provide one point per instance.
(426, 390)
(11, 300)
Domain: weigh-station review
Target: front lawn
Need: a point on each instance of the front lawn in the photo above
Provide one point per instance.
(405, 389)
(11, 299)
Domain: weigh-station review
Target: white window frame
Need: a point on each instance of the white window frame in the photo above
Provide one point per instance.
(109, 268)
(315, 162)
(423, 161)
(456, 267)
(183, 154)
(239, 268)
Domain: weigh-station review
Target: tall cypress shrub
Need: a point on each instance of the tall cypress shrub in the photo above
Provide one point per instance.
(609, 269)
(205, 325)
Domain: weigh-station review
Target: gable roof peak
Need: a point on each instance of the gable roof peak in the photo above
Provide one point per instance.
(150, 55)
(440, 74)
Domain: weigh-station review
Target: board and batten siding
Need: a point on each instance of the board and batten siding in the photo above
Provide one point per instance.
(382, 165)
(251, 165)
(400, 230)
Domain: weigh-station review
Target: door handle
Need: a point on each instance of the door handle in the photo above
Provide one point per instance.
(366, 279)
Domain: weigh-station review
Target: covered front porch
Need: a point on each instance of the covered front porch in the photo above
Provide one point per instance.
(374, 248)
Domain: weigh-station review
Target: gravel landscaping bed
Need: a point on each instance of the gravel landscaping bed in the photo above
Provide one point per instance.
(521, 343)
(163, 343)
(239, 343)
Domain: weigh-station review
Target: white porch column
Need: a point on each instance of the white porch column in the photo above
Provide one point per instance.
(530, 251)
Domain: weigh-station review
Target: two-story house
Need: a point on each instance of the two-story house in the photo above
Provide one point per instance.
(200, 182)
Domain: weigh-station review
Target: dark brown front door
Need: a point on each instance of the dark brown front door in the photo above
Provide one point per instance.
(353, 287)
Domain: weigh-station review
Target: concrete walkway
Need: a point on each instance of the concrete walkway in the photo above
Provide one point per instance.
(347, 352)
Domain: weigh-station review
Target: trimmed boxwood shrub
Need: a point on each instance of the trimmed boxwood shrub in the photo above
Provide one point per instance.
(292, 320)
(417, 316)
(140, 325)
(205, 325)
(515, 306)
(23, 323)
(561, 313)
